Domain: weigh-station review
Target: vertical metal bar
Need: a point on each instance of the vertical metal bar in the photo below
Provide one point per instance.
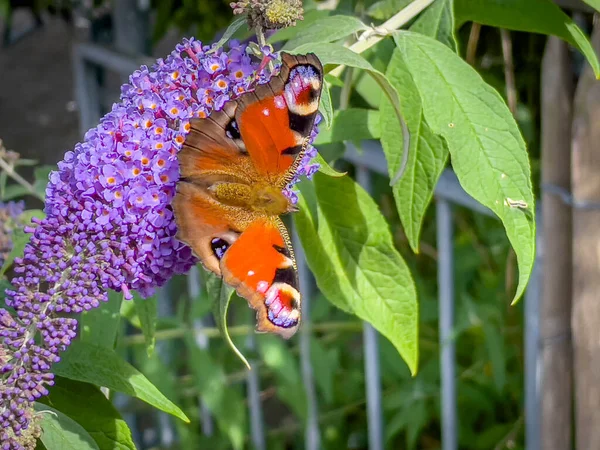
(533, 359)
(446, 324)
(257, 425)
(193, 284)
(312, 434)
(371, 352)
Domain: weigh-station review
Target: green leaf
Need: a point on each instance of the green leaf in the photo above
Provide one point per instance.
(129, 312)
(337, 54)
(487, 150)
(495, 348)
(437, 21)
(327, 29)
(384, 9)
(325, 106)
(60, 432)
(99, 326)
(534, 16)
(350, 251)
(221, 295)
(41, 174)
(594, 4)
(146, 311)
(326, 168)
(19, 240)
(289, 33)
(26, 216)
(224, 401)
(229, 32)
(4, 285)
(87, 405)
(426, 158)
(325, 363)
(104, 367)
(352, 124)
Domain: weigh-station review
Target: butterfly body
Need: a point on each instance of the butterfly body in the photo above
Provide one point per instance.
(234, 167)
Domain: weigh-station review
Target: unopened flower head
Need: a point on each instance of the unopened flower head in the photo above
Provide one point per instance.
(109, 223)
(269, 14)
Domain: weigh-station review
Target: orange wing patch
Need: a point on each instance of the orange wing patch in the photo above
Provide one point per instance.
(269, 281)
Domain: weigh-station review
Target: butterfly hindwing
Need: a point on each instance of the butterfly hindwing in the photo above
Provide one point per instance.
(260, 265)
(206, 225)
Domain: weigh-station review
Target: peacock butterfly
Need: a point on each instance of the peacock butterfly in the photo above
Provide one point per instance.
(234, 167)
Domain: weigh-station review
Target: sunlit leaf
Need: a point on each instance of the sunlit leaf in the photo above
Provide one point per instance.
(325, 106)
(426, 158)
(99, 326)
(146, 309)
(87, 405)
(437, 21)
(487, 151)
(350, 251)
(534, 16)
(327, 29)
(60, 432)
(337, 54)
(104, 367)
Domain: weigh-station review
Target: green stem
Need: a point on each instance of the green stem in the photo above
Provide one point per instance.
(240, 330)
(10, 171)
(262, 41)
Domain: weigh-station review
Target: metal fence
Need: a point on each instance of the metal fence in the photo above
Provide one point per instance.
(88, 58)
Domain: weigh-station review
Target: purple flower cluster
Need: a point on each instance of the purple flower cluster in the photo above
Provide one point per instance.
(109, 223)
(9, 220)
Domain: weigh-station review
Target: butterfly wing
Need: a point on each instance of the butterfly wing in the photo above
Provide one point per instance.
(258, 137)
(276, 119)
(213, 151)
(206, 225)
(260, 265)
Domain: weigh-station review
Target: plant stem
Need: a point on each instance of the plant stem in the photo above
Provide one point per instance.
(371, 37)
(262, 41)
(240, 330)
(10, 171)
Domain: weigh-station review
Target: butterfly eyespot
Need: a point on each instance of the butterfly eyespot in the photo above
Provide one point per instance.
(232, 131)
(219, 247)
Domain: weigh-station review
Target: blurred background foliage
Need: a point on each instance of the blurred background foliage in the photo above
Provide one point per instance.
(489, 332)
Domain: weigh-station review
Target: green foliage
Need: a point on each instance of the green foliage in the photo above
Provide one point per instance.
(427, 154)
(487, 150)
(103, 367)
(535, 16)
(60, 432)
(100, 326)
(350, 251)
(414, 93)
(146, 311)
(85, 404)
